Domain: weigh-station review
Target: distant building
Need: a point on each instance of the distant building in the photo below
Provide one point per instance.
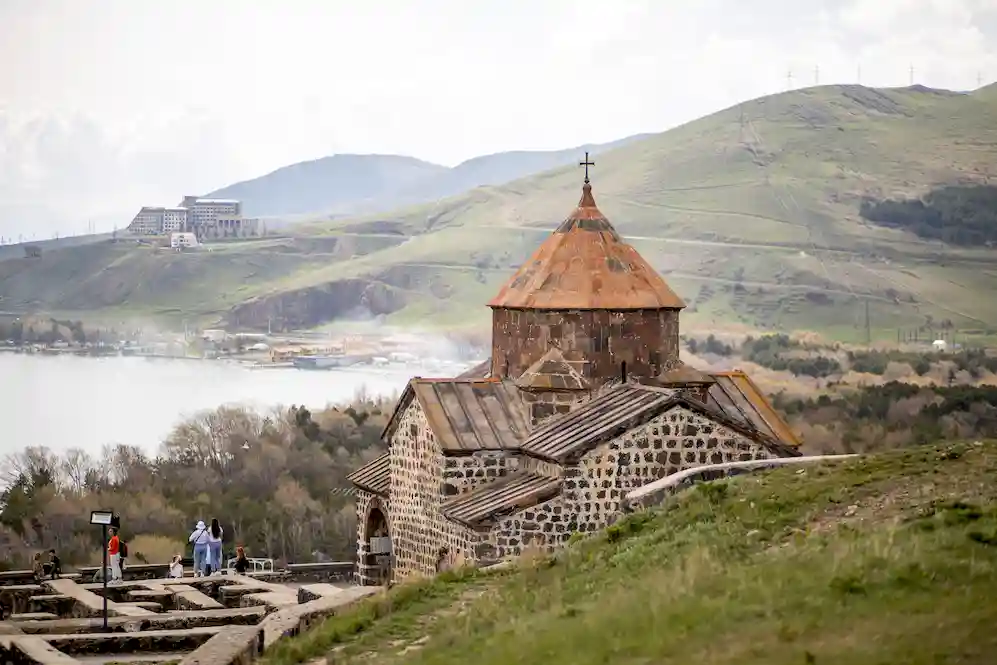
(204, 217)
(148, 221)
(174, 220)
(183, 240)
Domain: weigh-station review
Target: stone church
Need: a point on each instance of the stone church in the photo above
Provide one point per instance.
(583, 399)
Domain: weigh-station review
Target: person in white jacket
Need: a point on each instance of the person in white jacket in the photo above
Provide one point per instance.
(215, 534)
(199, 538)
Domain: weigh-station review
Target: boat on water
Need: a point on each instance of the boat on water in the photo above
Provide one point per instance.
(326, 362)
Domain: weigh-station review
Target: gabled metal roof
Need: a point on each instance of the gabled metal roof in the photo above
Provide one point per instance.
(738, 397)
(506, 495)
(374, 476)
(466, 414)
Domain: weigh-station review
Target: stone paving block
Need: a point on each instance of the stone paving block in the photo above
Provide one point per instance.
(167, 621)
(240, 645)
(36, 651)
(89, 603)
(309, 592)
(148, 641)
(186, 597)
(32, 616)
(290, 621)
(270, 599)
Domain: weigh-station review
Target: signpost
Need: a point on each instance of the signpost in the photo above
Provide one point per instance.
(104, 519)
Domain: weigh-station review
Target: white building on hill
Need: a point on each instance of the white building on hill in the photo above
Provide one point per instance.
(204, 217)
(183, 240)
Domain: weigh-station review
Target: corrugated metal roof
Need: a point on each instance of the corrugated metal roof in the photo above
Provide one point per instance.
(738, 397)
(374, 476)
(514, 492)
(610, 414)
(585, 264)
(467, 414)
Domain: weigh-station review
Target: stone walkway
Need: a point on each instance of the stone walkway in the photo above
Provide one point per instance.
(221, 620)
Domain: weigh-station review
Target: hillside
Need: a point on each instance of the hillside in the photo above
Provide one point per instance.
(353, 184)
(752, 214)
(330, 184)
(885, 559)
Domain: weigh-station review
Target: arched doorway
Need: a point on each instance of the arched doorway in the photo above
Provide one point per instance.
(378, 556)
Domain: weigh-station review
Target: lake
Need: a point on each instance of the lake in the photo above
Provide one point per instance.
(66, 401)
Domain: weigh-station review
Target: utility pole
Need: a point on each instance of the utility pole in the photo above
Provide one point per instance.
(789, 79)
(979, 80)
(868, 331)
(858, 74)
(912, 74)
(816, 74)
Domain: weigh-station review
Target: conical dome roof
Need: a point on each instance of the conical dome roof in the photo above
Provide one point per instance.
(585, 264)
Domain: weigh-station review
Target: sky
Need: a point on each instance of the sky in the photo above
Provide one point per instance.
(106, 105)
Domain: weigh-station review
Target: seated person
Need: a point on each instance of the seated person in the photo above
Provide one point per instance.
(37, 567)
(54, 566)
(176, 567)
(241, 562)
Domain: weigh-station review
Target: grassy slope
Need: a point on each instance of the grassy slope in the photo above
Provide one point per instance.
(765, 193)
(889, 559)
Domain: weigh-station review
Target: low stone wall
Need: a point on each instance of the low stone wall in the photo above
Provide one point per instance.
(141, 571)
(16, 598)
(239, 645)
(8, 577)
(146, 641)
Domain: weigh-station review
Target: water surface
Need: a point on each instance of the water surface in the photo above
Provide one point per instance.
(65, 401)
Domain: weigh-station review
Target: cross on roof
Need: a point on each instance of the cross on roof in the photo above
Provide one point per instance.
(586, 164)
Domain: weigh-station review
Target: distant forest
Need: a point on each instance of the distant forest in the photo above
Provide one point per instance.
(958, 215)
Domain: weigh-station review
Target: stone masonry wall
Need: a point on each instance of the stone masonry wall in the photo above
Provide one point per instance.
(464, 473)
(543, 405)
(364, 574)
(419, 532)
(674, 441)
(647, 340)
(543, 527)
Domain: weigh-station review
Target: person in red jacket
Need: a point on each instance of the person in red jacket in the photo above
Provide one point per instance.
(114, 555)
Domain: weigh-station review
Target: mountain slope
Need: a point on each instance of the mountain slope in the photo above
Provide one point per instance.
(328, 184)
(885, 559)
(345, 184)
(751, 213)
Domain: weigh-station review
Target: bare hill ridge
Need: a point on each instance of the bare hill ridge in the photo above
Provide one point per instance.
(751, 213)
(352, 184)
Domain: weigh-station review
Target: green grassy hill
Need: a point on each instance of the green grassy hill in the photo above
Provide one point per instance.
(751, 213)
(887, 559)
